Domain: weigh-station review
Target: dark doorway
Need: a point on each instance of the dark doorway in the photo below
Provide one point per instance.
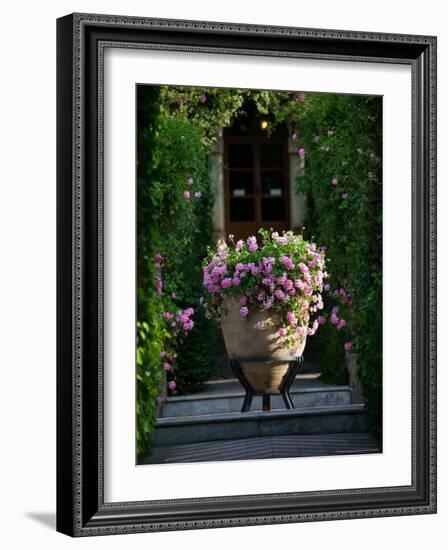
(256, 178)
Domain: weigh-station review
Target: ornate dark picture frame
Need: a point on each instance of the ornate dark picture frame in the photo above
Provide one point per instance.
(81, 509)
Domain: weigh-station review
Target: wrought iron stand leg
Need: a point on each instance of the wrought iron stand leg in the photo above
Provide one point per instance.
(247, 400)
(287, 399)
(288, 380)
(266, 402)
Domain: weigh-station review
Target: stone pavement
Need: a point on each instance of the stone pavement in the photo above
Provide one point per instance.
(286, 446)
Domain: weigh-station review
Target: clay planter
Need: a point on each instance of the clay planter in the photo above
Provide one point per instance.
(242, 339)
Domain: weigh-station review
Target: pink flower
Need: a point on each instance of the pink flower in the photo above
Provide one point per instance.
(304, 304)
(287, 262)
(186, 194)
(348, 345)
(267, 303)
(236, 281)
(162, 354)
(159, 287)
(280, 295)
(226, 283)
(158, 257)
(243, 312)
(252, 244)
(341, 324)
(301, 152)
(260, 325)
(167, 315)
(202, 98)
(189, 181)
(288, 285)
(243, 300)
(172, 385)
(313, 329)
(282, 332)
(334, 319)
(334, 181)
(291, 318)
(321, 319)
(295, 136)
(280, 240)
(198, 194)
(166, 366)
(344, 196)
(157, 266)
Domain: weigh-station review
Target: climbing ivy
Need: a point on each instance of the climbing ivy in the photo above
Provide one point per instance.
(341, 139)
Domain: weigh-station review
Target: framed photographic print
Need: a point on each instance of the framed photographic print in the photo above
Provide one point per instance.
(246, 274)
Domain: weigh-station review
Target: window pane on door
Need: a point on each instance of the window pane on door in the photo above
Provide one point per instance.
(241, 183)
(273, 209)
(272, 155)
(242, 209)
(240, 155)
(272, 183)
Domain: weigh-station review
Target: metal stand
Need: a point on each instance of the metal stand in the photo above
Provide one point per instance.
(294, 364)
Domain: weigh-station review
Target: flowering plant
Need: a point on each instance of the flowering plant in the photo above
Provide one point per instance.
(283, 273)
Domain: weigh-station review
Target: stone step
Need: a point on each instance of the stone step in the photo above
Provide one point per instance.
(217, 427)
(227, 397)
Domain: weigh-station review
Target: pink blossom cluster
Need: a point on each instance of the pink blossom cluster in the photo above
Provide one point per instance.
(335, 320)
(180, 321)
(167, 359)
(345, 298)
(188, 194)
(284, 273)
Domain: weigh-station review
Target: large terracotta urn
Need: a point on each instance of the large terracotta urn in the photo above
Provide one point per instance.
(243, 339)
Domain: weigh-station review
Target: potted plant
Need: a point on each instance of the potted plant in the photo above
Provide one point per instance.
(267, 296)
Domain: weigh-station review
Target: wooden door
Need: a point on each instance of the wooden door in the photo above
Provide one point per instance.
(256, 184)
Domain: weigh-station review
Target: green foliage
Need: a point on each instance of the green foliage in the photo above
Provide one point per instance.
(196, 359)
(332, 362)
(211, 109)
(185, 229)
(150, 330)
(150, 377)
(208, 108)
(342, 181)
(170, 151)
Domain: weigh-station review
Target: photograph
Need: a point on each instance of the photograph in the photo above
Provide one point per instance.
(259, 320)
